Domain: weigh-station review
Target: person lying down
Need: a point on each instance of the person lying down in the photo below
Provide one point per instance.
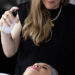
(40, 69)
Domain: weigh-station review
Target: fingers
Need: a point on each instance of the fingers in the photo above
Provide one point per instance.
(9, 14)
(8, 18)
(3, 21)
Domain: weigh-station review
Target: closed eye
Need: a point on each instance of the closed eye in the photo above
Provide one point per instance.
(44, 67)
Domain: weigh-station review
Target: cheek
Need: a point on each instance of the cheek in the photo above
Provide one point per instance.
(30, 71)
(45, 73)
(58, 1)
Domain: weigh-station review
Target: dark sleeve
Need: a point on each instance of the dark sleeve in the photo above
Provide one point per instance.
(23, 11)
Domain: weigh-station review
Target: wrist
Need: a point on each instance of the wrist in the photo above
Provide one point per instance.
(6, 34)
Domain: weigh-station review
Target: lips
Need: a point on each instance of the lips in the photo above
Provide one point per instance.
(50, 0)
(35, 67)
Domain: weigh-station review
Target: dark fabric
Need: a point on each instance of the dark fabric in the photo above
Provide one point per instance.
(23, 11)
(59, 52)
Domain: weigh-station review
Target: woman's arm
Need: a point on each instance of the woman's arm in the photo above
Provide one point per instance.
(10, 46)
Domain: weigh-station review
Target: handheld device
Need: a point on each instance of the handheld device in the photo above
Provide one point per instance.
(7, 29)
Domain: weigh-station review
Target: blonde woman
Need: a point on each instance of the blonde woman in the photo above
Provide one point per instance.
(44, 31)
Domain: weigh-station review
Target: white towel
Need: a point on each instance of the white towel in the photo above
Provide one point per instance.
(4, 74)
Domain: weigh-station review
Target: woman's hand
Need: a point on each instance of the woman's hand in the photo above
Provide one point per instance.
(10, 47)
(7, 18)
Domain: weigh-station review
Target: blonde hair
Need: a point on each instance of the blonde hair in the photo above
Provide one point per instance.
(38, 24)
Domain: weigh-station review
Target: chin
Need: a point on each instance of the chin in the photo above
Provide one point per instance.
(49, 6)
(30, 71)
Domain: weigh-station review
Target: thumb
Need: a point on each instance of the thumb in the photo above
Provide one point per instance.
(14, 8)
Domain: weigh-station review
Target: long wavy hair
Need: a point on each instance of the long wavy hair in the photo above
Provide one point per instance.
(38, 24)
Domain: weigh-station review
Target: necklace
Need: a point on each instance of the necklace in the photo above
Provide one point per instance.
(52, 21)
(57, 14)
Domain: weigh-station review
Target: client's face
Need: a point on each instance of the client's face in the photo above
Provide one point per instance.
(51, 4)
(38, 69)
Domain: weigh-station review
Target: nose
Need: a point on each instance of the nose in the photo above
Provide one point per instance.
(36, 66)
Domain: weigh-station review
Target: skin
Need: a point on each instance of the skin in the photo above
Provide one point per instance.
(38, 69)
(51, 4)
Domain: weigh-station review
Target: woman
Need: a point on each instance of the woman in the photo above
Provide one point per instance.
(48, 34)
(40, 69)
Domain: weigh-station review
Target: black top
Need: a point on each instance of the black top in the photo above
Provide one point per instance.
(59, 52)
